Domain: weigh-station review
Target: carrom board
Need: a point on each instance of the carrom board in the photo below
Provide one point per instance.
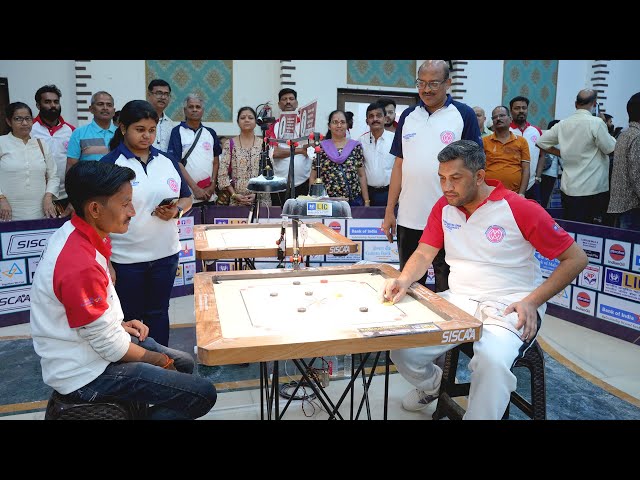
(276, 314)
(251, 240)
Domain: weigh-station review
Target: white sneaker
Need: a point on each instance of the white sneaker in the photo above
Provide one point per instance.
(416, 400)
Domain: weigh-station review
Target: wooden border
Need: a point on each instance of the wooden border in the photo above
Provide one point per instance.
(214, 349)
(204, 252)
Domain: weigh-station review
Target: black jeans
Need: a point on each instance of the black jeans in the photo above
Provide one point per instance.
(408, 240)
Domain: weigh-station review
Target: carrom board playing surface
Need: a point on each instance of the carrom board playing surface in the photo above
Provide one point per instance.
(276, 314)
(250, 240)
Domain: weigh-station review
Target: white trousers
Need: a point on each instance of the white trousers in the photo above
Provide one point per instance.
(491, 378)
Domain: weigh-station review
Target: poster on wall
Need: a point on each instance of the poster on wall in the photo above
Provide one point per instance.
(592, 246)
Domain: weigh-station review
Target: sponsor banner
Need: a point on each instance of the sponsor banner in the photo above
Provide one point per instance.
(635, 264)
(179, 280)
(618, 311)
(270, 220)
(592, 246)
(13, 272)
(24, 244)
(365, 229)
(617, 253)
(382, 252)
(547, 266)
(622, 284)
(228, 221)
(351, 257)
(185, 227)
(225, 266)
(590, 277)
(338, 225)
(33, 264)
(562, 298)
(584, 301)
(14, 300)
(187, 251)
(189, 270)
(431, 276)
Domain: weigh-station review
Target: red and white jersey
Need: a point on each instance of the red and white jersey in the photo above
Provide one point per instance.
(491, 252)
(72, 288)
(57, 139)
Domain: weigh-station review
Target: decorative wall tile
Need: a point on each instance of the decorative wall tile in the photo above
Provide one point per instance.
(537, 80)
(211, 79)
(382, 73)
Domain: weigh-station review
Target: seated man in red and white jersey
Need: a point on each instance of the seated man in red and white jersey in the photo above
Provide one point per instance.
(86, 350)
(489, 235)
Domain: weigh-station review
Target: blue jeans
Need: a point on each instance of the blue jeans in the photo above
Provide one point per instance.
(144, 290)
(172, 395)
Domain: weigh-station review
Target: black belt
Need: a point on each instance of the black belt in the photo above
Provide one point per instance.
(379, 189)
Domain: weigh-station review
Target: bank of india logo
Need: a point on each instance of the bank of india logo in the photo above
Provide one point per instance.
(495, 233)
(447, 137)
(173, 185)
(584, 300)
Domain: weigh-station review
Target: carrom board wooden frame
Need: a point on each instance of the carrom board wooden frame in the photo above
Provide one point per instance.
(213, 348)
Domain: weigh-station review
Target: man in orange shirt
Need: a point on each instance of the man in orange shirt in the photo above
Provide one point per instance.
(507, 154)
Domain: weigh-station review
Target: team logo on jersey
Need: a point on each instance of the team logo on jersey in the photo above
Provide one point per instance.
(173, 185)
(495, 233)
(447, 137)
(206, 146)
(534, 138)
(65, 144)
(556, 226)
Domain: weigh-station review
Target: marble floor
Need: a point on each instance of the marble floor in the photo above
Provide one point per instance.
(605, 361)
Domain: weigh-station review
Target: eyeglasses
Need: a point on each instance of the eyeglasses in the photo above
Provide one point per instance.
(433, 85)
(338, 122)
(502, 115)
(159, 94)
(23, 119)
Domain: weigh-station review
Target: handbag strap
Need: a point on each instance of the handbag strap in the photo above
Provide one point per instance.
(40, 145)
(193, 145)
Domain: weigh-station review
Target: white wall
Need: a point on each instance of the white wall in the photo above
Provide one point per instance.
(123, 79)
(483, 85)
(26, 76)
(573, 76)
(624, 81)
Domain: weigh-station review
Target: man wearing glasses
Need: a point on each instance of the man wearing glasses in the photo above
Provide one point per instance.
(423, 130)
(159, 95)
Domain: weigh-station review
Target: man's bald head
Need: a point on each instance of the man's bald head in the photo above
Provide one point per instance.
(586, 98)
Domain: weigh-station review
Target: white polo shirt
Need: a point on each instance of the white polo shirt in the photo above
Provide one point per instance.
(378, 161)
(199, 163)
(148, 238)
(418, 140)
(491, 251)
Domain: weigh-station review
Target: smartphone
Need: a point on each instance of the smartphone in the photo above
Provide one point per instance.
(166, 201)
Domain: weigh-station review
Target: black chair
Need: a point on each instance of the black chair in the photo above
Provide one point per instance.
(60, 407)
(533, 360)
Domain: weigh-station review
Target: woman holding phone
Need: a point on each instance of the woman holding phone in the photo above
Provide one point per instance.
(145, 258)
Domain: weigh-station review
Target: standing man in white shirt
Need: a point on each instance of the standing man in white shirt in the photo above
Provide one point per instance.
(159, 95)
(281, 155)
(50, 127)
(584, 144)
(378, 161)
(519, 107)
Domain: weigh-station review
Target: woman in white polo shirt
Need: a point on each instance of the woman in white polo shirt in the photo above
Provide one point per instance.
(145, 258)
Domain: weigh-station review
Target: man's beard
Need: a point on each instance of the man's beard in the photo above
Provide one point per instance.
(50, 116)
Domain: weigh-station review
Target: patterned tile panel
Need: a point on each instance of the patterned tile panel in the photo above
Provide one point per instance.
(382, 73)
(537, 80)
(212, 79)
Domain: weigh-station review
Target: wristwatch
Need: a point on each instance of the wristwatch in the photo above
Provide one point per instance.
(180, 212)
(538, 179)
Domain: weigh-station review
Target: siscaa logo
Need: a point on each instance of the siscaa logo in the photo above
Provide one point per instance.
(457, 336)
